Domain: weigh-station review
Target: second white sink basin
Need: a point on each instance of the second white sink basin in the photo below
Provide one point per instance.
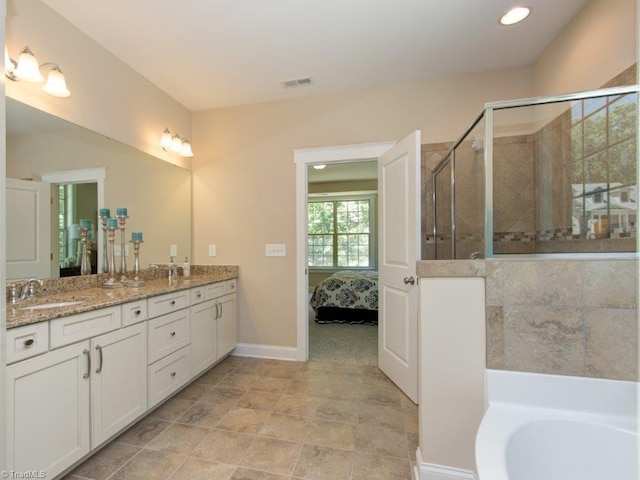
(51, 305)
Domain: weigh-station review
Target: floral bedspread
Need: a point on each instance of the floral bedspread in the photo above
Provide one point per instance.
(347, 289)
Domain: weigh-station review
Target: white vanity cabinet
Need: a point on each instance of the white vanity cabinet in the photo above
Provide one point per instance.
(48, 421)
(213, 325)
(226, 329)
(203, 336)
(75, 382)
(118, 381)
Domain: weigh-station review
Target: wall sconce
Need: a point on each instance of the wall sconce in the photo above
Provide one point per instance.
(175, 144)
(28, 69)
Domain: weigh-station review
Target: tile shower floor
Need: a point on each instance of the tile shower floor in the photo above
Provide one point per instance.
(254, 419)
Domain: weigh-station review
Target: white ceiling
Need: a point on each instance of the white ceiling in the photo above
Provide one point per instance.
(216, 53)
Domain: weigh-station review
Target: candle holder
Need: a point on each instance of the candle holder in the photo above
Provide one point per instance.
(111, 234)
(85, 251)
(122, 220)
(136, 282)
(104, 214)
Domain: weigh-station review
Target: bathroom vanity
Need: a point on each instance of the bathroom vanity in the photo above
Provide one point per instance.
(91, 362)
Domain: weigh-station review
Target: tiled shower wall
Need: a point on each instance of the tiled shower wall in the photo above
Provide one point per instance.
(563, 317)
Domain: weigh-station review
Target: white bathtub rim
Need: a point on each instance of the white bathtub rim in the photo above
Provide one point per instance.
(502, 421)
(598, 396)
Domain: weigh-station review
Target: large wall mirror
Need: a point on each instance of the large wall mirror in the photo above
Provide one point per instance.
(78, 171)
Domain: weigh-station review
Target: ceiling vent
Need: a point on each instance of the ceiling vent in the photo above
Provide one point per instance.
(298, 82)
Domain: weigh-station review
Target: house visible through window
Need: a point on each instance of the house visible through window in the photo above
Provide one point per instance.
(340, 232)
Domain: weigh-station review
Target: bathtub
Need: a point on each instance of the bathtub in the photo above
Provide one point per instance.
(551, 427)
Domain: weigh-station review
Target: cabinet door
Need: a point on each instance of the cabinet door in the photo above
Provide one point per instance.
(48, 410)
(118, 380)
(203, 336)
(226, 330)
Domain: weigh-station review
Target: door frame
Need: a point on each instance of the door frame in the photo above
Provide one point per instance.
(303, 158)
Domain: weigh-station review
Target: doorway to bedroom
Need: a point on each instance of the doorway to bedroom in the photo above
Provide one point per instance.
(342, 262)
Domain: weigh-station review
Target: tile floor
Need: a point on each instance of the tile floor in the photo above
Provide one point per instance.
(254, 419)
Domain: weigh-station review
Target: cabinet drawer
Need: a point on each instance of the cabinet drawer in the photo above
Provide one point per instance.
(27, 341)
(231, 286)
(67, 330)
(215, 290)
(167, 334)
(134, 312)
(197, 295)
(168, 375)
(167, 303)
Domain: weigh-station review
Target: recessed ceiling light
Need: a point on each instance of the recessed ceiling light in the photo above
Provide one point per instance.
(319, 167)
(515, 15)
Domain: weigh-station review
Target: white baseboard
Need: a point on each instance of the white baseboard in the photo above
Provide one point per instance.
(266, 351)
(431, 471)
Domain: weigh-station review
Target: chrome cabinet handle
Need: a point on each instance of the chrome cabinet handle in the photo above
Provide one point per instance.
(173, 334)
(88, 354)
(409, 281)
(198, 295)
(99, 348)
(137, 312)
(217, 311)
(28, 343)
(172, 303)
(173, 374)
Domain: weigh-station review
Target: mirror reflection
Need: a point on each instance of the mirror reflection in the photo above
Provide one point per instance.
(59, 174)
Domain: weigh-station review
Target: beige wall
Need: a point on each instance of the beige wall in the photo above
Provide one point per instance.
(244, 175)
(598, 44)
(107, 96)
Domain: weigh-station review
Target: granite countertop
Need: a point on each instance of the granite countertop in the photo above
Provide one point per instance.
(20, 314)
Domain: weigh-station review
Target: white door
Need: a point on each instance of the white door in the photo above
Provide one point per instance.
(399, 249)
(28, 229)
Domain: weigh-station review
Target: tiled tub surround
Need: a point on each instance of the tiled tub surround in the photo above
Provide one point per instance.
(563, 317)
(88, 290)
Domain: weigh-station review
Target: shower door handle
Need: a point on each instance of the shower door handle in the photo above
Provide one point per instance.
(409, 281)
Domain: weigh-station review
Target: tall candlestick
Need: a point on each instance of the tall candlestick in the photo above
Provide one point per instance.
(122, 219)
(112, 225)
(136, 282)
(85, 261)
(104, 214)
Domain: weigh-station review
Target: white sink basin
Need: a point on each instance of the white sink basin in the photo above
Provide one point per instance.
(51, 305)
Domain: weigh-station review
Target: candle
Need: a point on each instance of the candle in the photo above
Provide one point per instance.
(121, 211)
(112, 222)
(136, 236)
(105, 212)
(85, 223)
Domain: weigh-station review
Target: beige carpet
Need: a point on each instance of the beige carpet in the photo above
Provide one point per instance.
(342, 343)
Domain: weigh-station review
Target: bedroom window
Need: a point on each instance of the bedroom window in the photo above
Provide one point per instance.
(340, 233)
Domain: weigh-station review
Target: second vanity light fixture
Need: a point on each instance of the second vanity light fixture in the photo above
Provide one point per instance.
(175, 144)
(28, 69)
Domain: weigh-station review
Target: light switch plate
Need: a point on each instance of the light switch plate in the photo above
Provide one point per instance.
(173, 251)
(276, 250)
(212, 250)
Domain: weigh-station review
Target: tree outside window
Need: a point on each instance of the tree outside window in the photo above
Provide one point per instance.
(340, 233)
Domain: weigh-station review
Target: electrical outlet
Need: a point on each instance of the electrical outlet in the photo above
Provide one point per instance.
(173, 251)
(212, 250)
(116, 250)
(276, 249)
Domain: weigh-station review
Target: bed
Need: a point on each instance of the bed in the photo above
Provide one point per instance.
(347, 297)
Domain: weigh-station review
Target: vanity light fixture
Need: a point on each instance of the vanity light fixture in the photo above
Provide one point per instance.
(175, 144)
(28, 69)
(515, 15)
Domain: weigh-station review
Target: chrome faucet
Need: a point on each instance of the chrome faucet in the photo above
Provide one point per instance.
(173, 270)
(29, 288)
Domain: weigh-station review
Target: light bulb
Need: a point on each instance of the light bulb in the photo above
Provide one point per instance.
(28, 68)
(56, 84)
